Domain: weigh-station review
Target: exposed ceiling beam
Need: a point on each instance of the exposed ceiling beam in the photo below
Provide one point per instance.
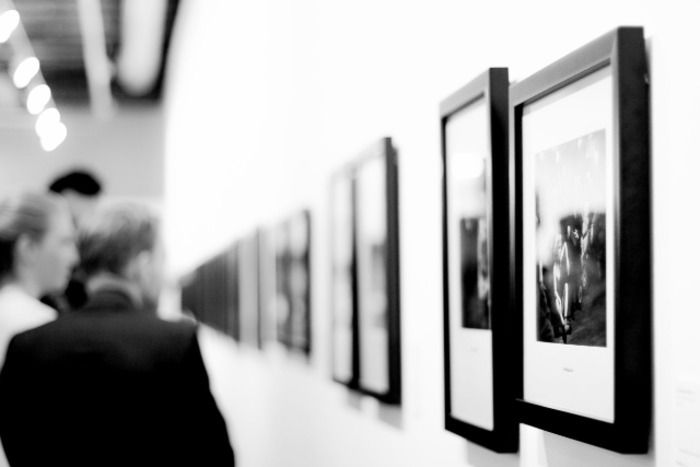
(143, 31)
(97, 65)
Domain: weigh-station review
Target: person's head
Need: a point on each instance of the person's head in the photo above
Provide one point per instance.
(37, 242)
(122, 241)
(81, 190)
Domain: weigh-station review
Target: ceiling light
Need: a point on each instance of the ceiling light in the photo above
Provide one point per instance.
(50, 129)
(37, 99)
(8, 23)
(54, 137)
(46, 120)
(25, 71)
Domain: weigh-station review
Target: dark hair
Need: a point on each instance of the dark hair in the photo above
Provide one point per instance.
(79, 181)
(114, 236)
(23, 214)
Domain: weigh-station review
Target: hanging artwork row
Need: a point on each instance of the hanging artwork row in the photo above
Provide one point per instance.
(258, 289)
(546, 258)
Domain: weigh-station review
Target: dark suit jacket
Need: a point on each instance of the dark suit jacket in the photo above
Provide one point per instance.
(73, 298)
(110, 385)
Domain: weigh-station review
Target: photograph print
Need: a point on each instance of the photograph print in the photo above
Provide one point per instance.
(467, 164)
(292, 282)
(282, 304)
(570, 197)
(474, 273)
(299, 280)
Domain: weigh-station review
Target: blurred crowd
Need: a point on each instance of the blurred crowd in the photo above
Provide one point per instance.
(90, 374)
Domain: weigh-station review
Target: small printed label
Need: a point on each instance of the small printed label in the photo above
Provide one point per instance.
(687, 424)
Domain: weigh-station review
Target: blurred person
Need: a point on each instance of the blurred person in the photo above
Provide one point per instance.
(126, 388)
(37, 253)
(81, 190)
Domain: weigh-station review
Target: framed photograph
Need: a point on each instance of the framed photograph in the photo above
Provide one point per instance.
(192, 298)
(581, 222)
(248, 275)
(377, 275)
(189, 294)
(344, 339)
(231, 259)
(220, 294)
(481, 375)
(266, 286)
(292, 282)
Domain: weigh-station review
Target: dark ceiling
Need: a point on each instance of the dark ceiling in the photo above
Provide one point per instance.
(54, 31)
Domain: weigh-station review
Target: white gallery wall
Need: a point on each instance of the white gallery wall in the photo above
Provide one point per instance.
(266, 99)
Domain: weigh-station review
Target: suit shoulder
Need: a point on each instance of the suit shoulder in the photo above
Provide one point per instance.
(180, 329)
(172, 340)
(26, 338)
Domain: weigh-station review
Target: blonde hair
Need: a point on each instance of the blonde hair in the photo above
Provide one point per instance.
(24, 214)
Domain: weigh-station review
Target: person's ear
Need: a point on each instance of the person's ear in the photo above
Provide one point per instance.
(139, 267)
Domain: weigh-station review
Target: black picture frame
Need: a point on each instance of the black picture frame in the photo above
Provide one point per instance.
(382, 155)
(189, 294)
(621, 55)
(230, 291)
(208, 293)
(488, 91)
(345, 366)
(266, 286)
(247, 284)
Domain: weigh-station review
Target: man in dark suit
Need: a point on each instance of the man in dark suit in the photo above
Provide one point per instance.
(112, 384)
